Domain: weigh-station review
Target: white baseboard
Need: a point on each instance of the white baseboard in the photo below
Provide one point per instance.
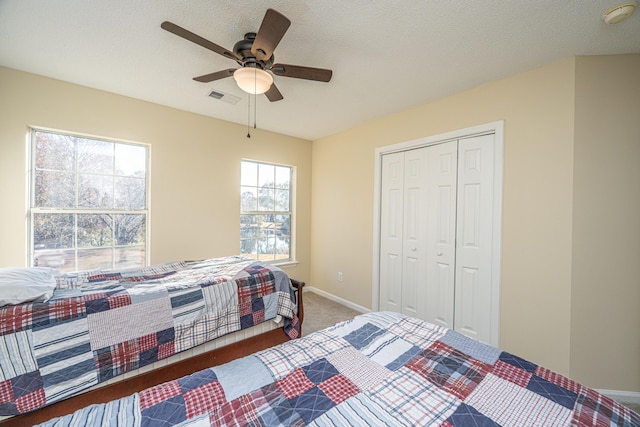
(622, 396)
(337, 299)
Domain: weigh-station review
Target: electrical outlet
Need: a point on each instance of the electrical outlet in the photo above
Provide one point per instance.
(340, 276)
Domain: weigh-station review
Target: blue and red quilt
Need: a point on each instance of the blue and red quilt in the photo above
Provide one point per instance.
(380, 369)
(100, 325)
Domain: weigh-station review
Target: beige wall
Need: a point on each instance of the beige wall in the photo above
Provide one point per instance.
(537, 109)
(547, 315)
(605, 291)
(192, 215)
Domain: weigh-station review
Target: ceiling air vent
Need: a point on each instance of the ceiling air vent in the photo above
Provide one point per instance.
(229, 99)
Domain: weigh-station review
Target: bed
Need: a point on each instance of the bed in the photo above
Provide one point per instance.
(106, 327)
(377, 369)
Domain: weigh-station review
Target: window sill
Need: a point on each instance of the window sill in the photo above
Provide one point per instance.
(285, 264)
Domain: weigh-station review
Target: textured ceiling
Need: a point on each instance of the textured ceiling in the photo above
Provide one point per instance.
(386, 56)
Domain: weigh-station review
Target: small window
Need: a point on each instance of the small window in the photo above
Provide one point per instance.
(88, 206)
(266, 211)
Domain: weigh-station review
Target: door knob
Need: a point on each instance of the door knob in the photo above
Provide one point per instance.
(413, 249)
(439, 254)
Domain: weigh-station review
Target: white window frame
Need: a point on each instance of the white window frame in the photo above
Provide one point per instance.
(33, 210)
(292, 204)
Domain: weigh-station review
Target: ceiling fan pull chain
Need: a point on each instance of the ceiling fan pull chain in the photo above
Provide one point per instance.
(255, 102)
(248, 114)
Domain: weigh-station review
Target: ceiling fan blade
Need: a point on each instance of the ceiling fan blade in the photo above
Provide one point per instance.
(299, 72)
(188, 35)
(273, 94)
(273, 27)
(215, 76)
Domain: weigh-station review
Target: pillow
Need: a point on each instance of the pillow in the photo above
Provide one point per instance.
(19, 284)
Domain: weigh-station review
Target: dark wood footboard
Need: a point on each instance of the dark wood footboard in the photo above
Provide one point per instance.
(170, 372)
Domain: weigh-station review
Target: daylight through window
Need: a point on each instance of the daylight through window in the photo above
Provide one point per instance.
(266, 211)
(88, 202)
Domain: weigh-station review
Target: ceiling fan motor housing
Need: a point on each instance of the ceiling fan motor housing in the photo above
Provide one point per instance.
(243, 50)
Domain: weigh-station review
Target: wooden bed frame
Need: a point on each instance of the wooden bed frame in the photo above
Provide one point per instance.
(166, 373)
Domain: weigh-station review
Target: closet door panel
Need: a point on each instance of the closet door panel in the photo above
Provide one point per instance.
(391, 230)
(441, 236)
(474, 237)
(415, 232)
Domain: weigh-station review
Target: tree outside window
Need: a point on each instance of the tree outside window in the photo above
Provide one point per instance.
(265, 211)
(88, 202)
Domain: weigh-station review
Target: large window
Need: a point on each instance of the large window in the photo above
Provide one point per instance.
(266, 212)
(88, 202)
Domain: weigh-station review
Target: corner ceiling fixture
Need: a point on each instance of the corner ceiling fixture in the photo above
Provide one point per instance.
(619, 13)
(253, 80)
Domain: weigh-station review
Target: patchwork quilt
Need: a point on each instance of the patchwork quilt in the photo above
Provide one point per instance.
(380, 369)
(99, 325)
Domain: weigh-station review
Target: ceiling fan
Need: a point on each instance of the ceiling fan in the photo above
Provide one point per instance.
(254, 54)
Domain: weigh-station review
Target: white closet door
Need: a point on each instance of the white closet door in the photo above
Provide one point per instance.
(414, 250)
(441, 239)
(474, 237)
(391, 230)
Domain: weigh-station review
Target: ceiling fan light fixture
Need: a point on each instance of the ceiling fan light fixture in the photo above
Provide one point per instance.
(253, 80)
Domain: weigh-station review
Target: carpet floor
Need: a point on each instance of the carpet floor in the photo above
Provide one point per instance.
(320, 313)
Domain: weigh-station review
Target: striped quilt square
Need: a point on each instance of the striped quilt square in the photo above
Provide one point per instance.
(450, 369)
(15, 318)
(123, 412)
(360, 410)
(390, 351)
(413, 400)
(65, 358)
(206, 328)
(526, 408)
(187, 304)
(16, 355)
(259, 283)
(218, 297)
